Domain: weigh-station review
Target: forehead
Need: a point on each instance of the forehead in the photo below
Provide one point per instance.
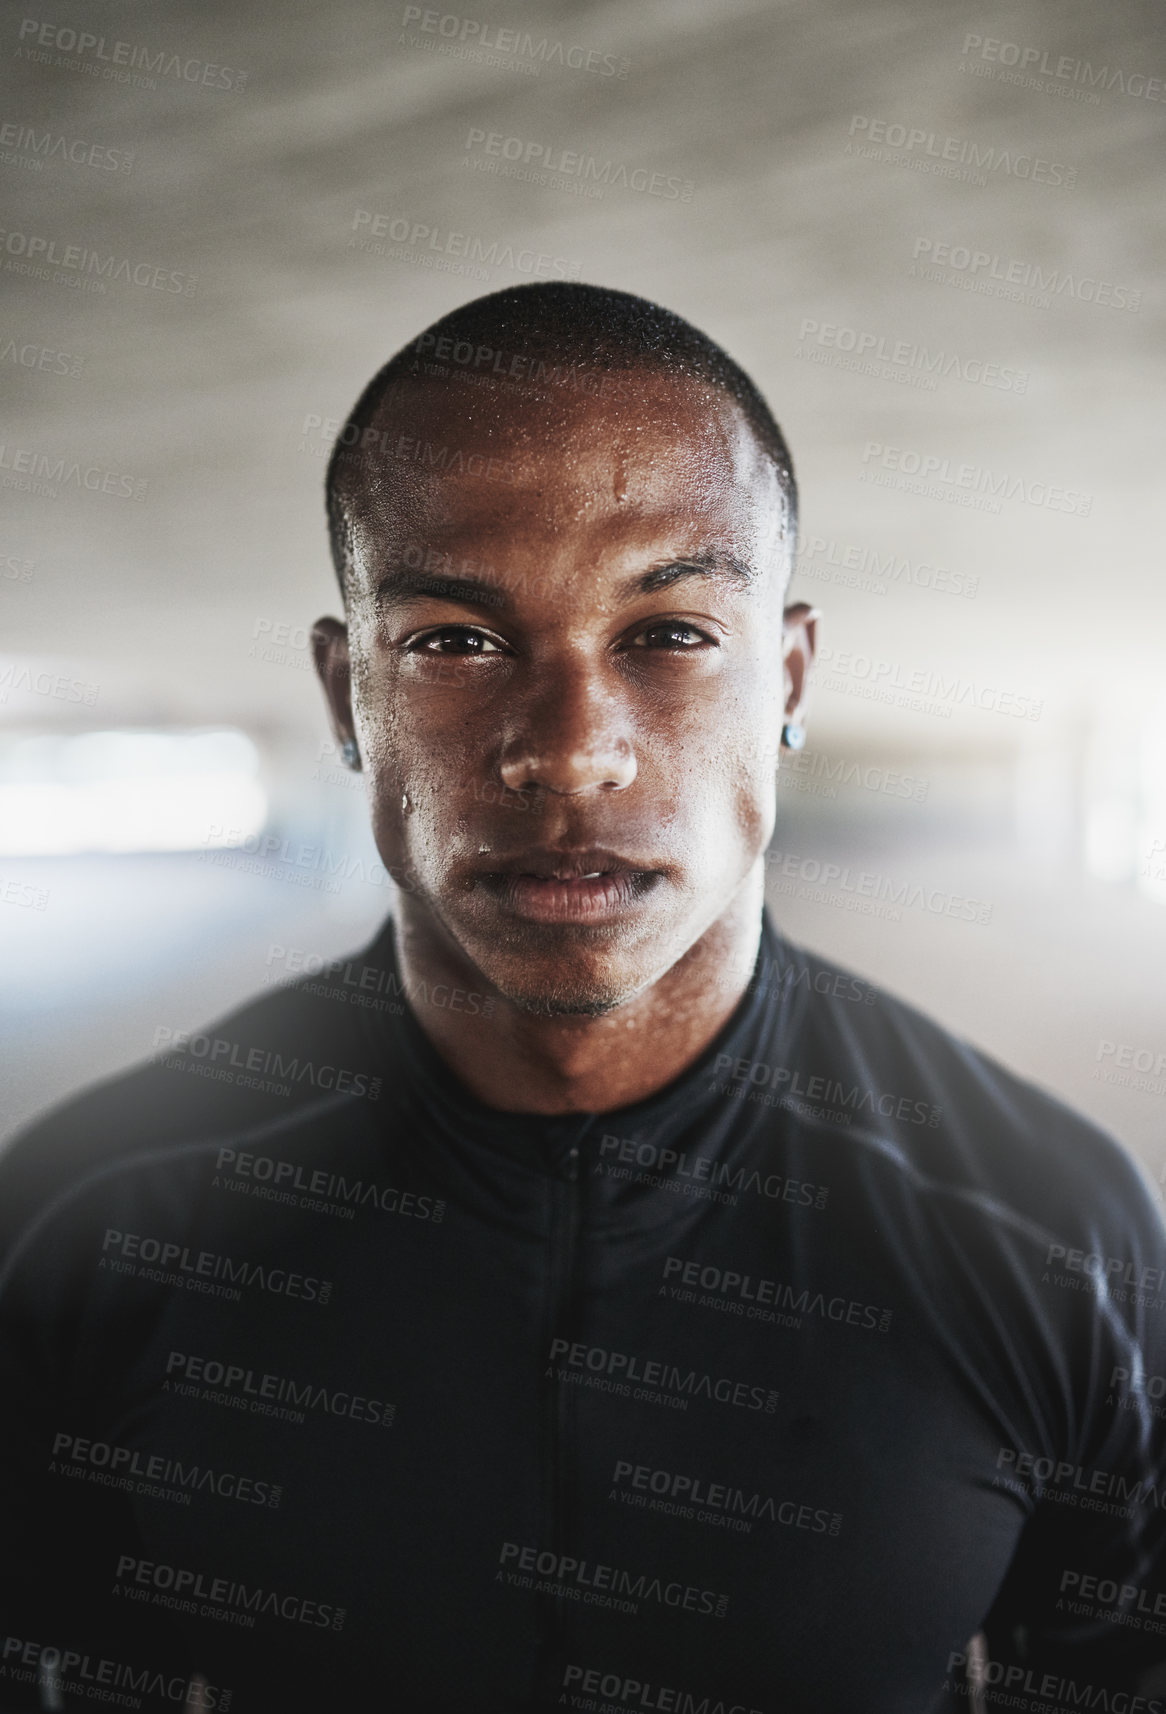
(452, 466)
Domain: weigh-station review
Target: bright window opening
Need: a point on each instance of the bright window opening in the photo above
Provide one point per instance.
(128, 791)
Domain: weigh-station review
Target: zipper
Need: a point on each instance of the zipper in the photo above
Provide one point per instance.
(559, 1491)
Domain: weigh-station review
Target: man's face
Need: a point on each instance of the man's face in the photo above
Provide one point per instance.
(566, 675)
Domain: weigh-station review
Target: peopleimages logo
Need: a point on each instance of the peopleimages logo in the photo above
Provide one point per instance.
(836, 883)
(1109, 1272)
(973, 479)
(700, 1501)
(375, 445)
(45, 474)
(293, 1183)
(853, 673)
(653, 1378)
(118, 61)
(526, 52)
(183, 1588)
(228, 1056)
(869, 569)
(727, 1287)
(983, 158)
(78, 265)
(991, 51)
(364, 984)
(1050, 1690)
(641, 1695)
(824, 340)
(812, 770)
(212, 1381)
(1089, 1597)
(155, 1473)
(59, 686)
(583, 1580)
(674, 1169)
(33, 148)
(48, 1667)
(985, 270)
(470, 247)
(1147, 1386)
(44, 358)
(789, 1079)
(199, 1270)
(23, 894)
(544, 163)
(1110, 1491)
(279, 858)
(1141, 1068)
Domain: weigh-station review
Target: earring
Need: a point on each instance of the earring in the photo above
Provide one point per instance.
(793, 736)
(350, 754)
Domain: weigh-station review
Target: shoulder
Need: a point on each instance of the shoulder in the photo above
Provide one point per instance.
(177, 1233)
(258, 1064)
(172, 1175)
(955, 1122)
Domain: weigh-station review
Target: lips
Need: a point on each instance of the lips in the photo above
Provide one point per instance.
(587, 886)
(550, 865)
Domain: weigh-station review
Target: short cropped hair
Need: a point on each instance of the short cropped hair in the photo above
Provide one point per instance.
(547, 332)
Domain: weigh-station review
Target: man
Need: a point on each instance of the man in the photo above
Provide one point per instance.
(586, 1367)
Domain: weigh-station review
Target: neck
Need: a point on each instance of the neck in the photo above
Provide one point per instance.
(522, 1063)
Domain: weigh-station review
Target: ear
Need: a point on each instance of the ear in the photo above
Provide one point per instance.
(333, 668)
(798, 642)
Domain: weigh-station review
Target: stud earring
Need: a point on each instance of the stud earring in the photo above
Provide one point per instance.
(793, 736)
(350, 754)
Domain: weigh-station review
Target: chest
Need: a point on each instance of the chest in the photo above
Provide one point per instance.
(584, 1449)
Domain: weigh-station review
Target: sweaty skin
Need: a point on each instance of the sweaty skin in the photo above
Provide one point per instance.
(566, 668)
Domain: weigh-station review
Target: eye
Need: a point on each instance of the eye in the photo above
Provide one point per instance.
(454, 640)
(671, 634)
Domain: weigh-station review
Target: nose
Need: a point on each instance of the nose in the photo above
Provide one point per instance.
(570, 737)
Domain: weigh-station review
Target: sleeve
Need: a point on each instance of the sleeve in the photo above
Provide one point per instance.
(43, 1526)
(59, 1631)
(1084, 1601)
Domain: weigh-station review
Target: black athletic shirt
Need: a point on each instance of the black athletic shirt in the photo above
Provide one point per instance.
(328, 1388)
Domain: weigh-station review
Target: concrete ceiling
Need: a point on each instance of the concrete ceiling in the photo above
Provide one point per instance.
(254, 192)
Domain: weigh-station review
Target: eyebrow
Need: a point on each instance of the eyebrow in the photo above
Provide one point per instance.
(713, 564)
(397, 588)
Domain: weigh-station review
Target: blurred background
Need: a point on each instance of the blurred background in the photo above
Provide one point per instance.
(932, 232)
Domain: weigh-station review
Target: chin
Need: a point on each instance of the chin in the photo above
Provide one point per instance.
(565, 1005)
(565, 993)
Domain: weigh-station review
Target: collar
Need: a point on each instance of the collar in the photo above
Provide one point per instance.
(691, 1107)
